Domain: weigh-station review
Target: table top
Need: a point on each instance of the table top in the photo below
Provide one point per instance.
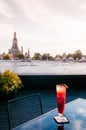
(75, 111)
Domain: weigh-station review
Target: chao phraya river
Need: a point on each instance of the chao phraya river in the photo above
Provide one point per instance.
(44, 67)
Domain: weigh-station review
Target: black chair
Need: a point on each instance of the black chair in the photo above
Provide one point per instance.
(3, 116)
(23, 109)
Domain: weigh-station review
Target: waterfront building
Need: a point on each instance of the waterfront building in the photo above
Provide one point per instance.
(2, 55)
(10, 56)
(22, 50)
(70, 58)
(29, 54)
(14, 49)
(64, 57)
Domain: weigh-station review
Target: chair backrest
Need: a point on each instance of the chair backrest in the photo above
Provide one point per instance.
(3, 116)
(23, 109)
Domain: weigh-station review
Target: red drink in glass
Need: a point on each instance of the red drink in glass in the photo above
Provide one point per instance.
(61, 98)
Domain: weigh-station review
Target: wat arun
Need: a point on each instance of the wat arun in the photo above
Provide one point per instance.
(14, 49)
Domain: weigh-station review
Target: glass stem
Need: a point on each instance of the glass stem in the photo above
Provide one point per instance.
(59, 114)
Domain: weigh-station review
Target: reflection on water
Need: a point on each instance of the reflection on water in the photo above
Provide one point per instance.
(61, 127)
(44, 67)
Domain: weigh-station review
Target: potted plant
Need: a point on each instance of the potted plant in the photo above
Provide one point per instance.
(10, 83)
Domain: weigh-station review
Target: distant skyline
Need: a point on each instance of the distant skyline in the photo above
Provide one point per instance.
(44, 26)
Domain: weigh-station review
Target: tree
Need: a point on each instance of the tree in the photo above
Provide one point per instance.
(77, 54)
(45, 56)
(6, 57)
(51, 58)
(37, 56)
(19, 56)
(69, 55)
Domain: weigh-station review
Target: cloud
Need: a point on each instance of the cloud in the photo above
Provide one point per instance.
(5, 9)
(33, 10)
(44, 24)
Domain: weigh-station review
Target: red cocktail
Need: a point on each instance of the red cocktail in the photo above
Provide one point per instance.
(61, 100)
(61, 97)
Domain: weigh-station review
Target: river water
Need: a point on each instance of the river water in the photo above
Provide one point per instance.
(44, 67)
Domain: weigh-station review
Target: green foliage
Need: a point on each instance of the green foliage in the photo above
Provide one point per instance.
(6, 57)
(37, 56)
(77, 55)
(9, 82)
(45, 56)
(19, 56)
(69, 55)
(51, 58)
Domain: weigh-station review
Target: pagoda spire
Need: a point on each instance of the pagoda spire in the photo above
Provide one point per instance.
(14, 35)
(15, 49)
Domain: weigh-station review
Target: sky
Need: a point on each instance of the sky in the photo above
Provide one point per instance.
(44, 26)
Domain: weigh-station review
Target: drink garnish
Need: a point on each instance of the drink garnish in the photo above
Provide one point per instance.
(66, 86)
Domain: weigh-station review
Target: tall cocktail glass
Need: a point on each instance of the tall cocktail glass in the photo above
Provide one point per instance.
(61, 100)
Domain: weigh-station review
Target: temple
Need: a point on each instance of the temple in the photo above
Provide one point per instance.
(15, 49)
